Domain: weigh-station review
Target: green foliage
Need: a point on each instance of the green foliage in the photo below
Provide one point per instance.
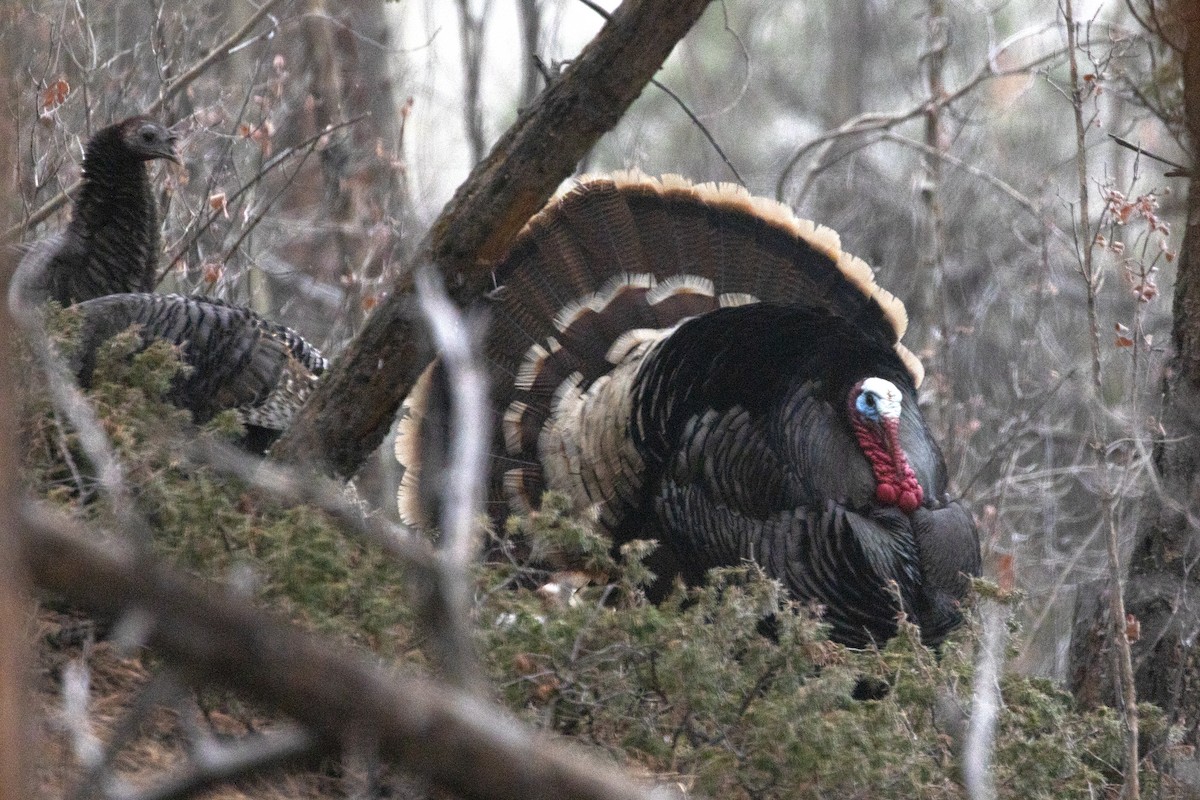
(296, 560)
(731, 689)
(694, 689)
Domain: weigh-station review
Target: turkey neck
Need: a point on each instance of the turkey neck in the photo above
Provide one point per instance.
(116, 217)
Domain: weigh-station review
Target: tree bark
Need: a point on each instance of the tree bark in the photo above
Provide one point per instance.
(351, 411)
(464, 745)
(1163, 588)
(14, 609)
(1164, 593)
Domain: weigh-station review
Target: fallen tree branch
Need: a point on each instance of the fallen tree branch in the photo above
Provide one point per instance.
(464, 744)
(355, 404)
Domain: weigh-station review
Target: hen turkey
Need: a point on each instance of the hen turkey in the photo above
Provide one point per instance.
(112, 243)
(697, 365)
(237, 359)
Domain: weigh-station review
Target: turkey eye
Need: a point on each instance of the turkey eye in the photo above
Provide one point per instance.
(147, 136)
(871, 400)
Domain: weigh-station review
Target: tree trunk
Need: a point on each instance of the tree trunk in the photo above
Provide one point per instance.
(353, 408)
(1163, 588)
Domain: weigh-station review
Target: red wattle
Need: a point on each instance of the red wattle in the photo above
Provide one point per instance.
(895, 482)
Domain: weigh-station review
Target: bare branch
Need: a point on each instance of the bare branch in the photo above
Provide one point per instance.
(408, 549)
(875, 121)
(1180, 169)
(302, 149)
(224, 762)
(439, 584)
(459, 343)
(226, 48)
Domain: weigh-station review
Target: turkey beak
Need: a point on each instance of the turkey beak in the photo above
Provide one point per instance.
(170, 152)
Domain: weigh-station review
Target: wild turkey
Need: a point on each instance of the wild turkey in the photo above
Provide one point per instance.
(238, 359)
(112, 243)
(696, 365)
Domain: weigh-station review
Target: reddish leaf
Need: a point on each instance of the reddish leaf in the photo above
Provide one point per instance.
(1133, 628)
(55, 94)
(1006, 574)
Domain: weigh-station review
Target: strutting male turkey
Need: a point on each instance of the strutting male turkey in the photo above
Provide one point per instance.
(112, 242)
(697, 365)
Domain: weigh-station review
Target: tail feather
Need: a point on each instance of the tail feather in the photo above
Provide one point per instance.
(611, 266)
(238, 360)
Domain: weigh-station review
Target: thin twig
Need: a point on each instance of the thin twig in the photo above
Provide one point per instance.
(1126, 687)
(1018, 429)
(875, 121)
(226, 48)
(277, 160)
(704, 131)
(459, 342)
(222, 50)
(1137, 148)
(1008, 190)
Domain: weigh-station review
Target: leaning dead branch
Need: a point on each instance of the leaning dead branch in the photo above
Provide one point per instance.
(350, 413)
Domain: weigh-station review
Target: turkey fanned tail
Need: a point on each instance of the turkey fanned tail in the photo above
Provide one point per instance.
(238, 360)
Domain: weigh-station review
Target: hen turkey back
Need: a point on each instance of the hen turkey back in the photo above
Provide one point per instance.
(696, 365)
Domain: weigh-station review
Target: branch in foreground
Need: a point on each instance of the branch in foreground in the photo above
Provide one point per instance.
(463, 744)
(985, 704)
(459, 344)
(438, 585)
(355, 404)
